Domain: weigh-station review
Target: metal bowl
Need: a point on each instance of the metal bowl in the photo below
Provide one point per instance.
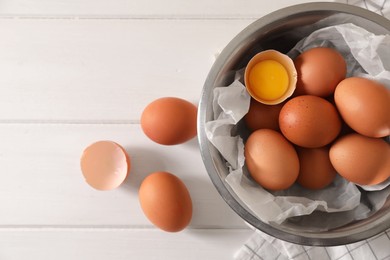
(275, 31)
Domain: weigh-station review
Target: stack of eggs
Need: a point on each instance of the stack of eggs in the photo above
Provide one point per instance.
(309, 121)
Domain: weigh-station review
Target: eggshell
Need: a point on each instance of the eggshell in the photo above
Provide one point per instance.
(309, 121)
(262, 116)
(319, 71)
(271, 160)
(364, 105)
(166, 202)
(105, 165)
(315, 169)
(283, 60)
(169, 120)
(361, 159)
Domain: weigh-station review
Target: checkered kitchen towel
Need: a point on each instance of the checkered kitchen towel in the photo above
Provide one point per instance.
(261, 246)
(381, 7)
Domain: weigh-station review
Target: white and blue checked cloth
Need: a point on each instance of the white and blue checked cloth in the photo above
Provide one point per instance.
(261, 246)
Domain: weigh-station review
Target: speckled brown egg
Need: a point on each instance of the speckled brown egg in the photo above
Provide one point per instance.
(361, 159)
(319, 71)
(364, 105)
(309, 121)
(271, 160)
(315, 169)
(166, 202)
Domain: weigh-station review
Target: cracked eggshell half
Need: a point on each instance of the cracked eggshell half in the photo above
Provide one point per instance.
(270, 77)
(105, 165)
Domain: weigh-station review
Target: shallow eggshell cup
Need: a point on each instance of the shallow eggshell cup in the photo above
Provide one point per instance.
(105, 165)
(285, 61)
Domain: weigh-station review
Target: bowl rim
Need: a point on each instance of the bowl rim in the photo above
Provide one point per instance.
(363, 231)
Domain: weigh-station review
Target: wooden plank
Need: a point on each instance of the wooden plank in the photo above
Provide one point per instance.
(167, 8)
(103, 70)
(97, 244)
(41, 182)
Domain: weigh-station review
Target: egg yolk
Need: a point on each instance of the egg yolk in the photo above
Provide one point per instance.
(268, 80)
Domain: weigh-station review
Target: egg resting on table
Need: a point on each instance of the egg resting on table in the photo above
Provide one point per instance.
(166, 201)
(169, 120)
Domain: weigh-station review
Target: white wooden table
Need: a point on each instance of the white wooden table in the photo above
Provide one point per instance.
(73, 72)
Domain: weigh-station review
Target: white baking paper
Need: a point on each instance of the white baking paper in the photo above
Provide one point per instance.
(367, 55)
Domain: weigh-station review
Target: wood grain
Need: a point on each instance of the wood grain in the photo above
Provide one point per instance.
(150, 9)
(77, 71)
(41, 181)
(103, 70)
(120, 244)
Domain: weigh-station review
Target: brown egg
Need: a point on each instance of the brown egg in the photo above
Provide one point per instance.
(169, 120)
(319, 71)
(309, 121)
(166, 202)
(271, 160)
(364, 105)
(262, 116)
(315, 169)
(361, 159)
